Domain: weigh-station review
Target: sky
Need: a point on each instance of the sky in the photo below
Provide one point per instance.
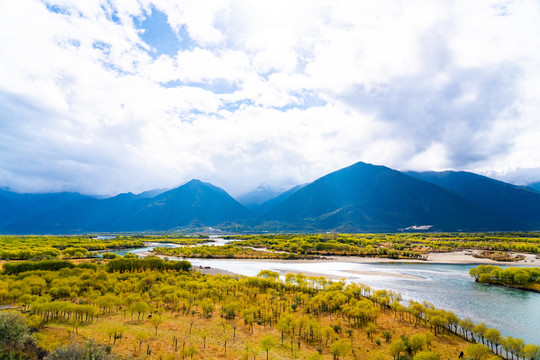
(110, 96)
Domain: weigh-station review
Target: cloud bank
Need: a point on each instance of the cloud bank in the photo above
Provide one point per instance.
(109, 96)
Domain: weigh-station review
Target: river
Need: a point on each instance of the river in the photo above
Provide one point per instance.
(514, 312)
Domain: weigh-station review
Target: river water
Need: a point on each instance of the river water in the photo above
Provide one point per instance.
(514, 312)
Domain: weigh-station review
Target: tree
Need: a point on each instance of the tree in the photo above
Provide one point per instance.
(396, 347)
(531, 351)
(479, 331)
(370, 330)
(267, 343)
(15, 338)
(328, 333)
(156, 321)
(190, 351)
(417, 342)
(477, 352)
(250, 350)
(468, 326)
(88, 351)
(340, 348)
(285, 324)
(494, 337)
(141, 337)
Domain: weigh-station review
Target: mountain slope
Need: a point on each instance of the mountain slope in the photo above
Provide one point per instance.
(365, 197)
(516, 202)
(534, 186)
(9, 209)
(195, 203)
(269, 204)
(73, 217)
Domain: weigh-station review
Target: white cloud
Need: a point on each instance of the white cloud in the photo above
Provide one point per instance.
(266, 92)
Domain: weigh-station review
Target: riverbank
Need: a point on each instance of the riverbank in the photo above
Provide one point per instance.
(464, 257)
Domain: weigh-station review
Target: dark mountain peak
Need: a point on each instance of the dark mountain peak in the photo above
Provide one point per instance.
(360, 169)
(193, 187)
(195, 182)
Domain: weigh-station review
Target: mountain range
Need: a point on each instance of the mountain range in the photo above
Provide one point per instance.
(358, 198)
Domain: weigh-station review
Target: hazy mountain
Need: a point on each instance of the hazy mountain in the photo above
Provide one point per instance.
(195, 203)
(151, 193)
(257, 196)
(267, 205)
(15, 207)
(77, 216)
(365, 197)
(513, 201)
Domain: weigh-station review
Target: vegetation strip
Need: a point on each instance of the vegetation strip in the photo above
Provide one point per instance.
(521, 278)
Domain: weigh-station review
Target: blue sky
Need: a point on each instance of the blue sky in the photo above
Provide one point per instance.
(109, 96)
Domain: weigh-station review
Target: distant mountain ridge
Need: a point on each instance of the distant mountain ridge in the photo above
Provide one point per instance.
(258, 196)
(358, 198)
(194, 203)
(365, 197)
(515, 202)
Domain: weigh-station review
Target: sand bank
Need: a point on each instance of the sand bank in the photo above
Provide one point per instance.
(456, 257)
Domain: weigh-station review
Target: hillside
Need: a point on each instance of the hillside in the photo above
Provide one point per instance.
(365, 197)
(195, 203)
(516, 202)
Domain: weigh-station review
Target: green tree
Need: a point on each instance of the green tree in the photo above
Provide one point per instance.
(268, 343)
(396, 347)
(15, 339)
(74, 351)
(477, 352)
(340, 348)
(479, 330)
(417, 342)
(156, 321)
(493, 336)
(531, 351)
